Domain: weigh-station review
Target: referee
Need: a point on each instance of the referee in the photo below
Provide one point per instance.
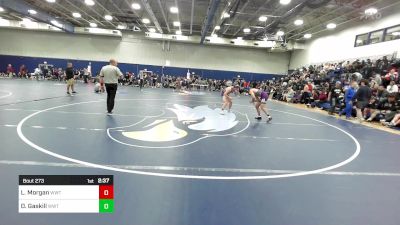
(109, 76)
(69, 77)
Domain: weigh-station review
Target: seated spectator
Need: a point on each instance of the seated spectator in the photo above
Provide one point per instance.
(382, 94)
(395, 122)
(371, 110)
(392, 87)
(378, 79)
(322, 101)
(392, 75)
(289, 95)
(356, 76)
(314, 97)
(374, 85)
(306, 95)
(390, 108)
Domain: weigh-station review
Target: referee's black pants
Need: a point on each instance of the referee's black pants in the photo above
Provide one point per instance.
(141, 83)
(111, 91)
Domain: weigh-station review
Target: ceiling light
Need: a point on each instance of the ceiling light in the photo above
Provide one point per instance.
(307, 36)
(89, 2)
(262, 18)
(298, 22)
(182, 38)
(331, 26)
(4, 22)
(31, 11)
(217, 28)
(246, 30)
(284, 2)
(238, 40)
(145, 20)
(280, 33)
(28, 23)
(226, 15)
(174, 10)
(152, 30)
(135, 6)
(121, 27)
(56, 23)
(178, 32)
(177, 23)
(76, 15)
(396, 33)
(26, 20)
(108, 17)
(51, 1)
(93, 25)
(1, 9)
(371, 11)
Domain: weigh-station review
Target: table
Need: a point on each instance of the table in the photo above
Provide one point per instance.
(199, 86)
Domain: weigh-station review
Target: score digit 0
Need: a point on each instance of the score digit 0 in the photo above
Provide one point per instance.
(106, 192)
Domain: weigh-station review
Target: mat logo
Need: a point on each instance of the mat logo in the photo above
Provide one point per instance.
(186, 126)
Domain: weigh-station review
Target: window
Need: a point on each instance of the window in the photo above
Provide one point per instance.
(376, 37)
(392, 33)
(361, 40)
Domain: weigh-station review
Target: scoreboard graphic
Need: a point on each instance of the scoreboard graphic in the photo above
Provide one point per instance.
(66, 194)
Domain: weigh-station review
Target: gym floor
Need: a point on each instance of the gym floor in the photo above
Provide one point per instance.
(177, 161)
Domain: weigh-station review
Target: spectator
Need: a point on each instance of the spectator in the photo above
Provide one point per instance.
(392, 87)
(333, 96)
(378, 79)
(348, 96)
(371, 110)
(10, 71)
(362, 98)
(390, 108)
(305, 97)
(322, 101)
(85, 75)
(395, 122)
(289, 95)
(391, 76)
(23, 71)
(382, 94)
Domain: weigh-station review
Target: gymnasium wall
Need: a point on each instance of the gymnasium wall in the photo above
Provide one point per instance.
(132, 49)
(32, 63)
(339, 45)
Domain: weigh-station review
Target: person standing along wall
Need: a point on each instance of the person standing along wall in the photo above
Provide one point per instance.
(361, 98)
(10, 70)
(109, 76)
(69, 77)
(85, 75)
